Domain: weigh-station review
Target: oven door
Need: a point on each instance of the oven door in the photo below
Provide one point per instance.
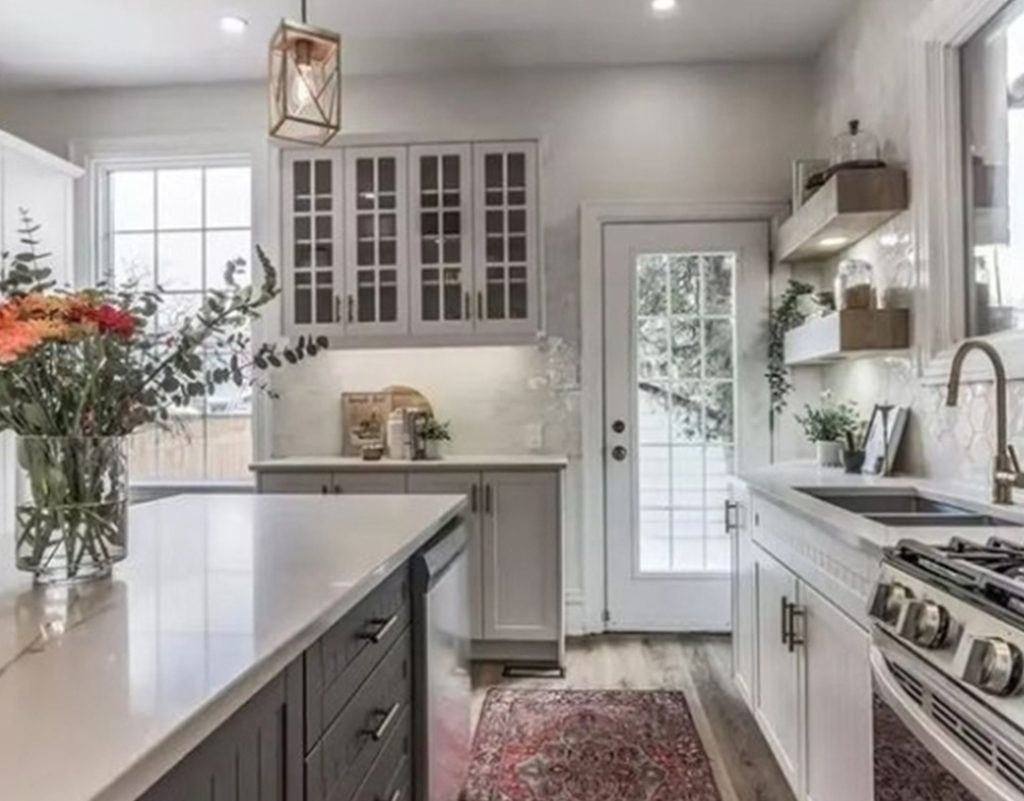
(932, 739)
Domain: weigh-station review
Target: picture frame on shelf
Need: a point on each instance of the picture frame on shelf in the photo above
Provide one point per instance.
(802, 170)
(884, 437)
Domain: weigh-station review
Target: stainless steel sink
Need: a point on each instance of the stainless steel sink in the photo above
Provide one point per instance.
(903, 507)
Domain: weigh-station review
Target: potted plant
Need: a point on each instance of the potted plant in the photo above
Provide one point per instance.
(827, 425)
(433, 433)
(80, 371)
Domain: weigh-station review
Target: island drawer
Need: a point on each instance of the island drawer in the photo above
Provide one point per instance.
(390, 778)
(336, 767)
(338, 663)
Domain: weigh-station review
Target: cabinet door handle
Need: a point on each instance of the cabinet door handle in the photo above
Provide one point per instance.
(488, 499)
(338, 489)
(351, 306)
(794, 613)
(337, 308)
(473, 498)
(785, 620)
(379, 630)
(468, 303)
(480, 305)
(390, 716)
(731, 523)
(323, 489)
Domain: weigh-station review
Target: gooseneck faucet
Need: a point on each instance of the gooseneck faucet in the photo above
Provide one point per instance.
(1006, 472)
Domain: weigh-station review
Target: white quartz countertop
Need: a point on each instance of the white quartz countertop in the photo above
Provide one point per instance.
(782, 483)
(343, 463)
(104, 687)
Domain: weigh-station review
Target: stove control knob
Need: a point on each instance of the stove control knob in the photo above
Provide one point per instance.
(926, 624)
(994, 666)
(889, 601)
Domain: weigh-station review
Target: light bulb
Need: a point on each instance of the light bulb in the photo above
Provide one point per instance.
(663, 5)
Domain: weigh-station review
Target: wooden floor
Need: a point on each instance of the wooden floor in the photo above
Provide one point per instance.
(699, 665)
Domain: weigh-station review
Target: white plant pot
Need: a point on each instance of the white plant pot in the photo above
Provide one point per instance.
(432, 449)
(830, 454)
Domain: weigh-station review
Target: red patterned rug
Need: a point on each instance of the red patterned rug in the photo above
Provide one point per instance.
(602, 745)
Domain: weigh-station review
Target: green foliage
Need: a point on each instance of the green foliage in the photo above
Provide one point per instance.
(105, 384)
(830, 421)
(434, 430)
(784, 317)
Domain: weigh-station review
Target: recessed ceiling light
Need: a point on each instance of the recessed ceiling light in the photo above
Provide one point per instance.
(833, 241)
(232, 24)
(663, 5)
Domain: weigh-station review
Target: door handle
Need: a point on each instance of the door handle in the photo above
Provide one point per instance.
(488, 499)
(380, 629)
(794, 613)
(473, 498)
(619, 453)
(480, 305)
(389, 718)
(469, 306)
(323, 489)
(351, 304)
(731, 523)
(618, 426)
(337, 308)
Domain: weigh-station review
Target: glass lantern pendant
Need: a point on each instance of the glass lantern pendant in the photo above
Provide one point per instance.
(305, 83)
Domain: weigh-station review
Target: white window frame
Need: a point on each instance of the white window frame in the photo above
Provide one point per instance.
(939, 208)
(100, 156)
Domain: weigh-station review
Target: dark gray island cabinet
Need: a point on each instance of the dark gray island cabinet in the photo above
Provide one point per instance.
(335, 725)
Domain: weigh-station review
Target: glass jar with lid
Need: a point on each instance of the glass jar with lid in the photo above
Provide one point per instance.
(855, 285)
(855, 147)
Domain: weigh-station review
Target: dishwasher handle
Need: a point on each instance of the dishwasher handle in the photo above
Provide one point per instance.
(430, 564)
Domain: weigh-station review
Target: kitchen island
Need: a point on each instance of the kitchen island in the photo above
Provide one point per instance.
(105, 688)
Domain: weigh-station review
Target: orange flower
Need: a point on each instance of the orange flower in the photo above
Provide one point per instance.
(17, 337)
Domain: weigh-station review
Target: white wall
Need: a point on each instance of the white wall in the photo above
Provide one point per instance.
(674, 133)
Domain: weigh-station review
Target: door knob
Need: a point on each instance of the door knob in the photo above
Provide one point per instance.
(619, 453)
(618, 426)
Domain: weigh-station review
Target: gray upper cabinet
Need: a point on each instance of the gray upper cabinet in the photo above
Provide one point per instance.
(441, 256)
(376, 251)
(312, 214)
(402, 245)
(505, 200)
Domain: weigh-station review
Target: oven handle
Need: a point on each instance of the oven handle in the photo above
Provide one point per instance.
(950, 755)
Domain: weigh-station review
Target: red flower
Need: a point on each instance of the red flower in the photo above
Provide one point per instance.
(113, 320)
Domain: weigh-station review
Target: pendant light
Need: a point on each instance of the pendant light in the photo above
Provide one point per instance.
(305, 82)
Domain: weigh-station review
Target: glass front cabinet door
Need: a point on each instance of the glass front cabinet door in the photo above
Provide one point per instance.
(376, 252)
(441, 256)
(313, 258)
(506, 244)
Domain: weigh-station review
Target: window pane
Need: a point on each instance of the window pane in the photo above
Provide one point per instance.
(222, 247)
(133, 259)
(228, 197)
(180, 260)
(993, 108)
(179, 198)
(175, 308)
(131, 195)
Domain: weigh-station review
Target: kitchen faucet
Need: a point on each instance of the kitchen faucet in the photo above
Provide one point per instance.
(1006, 472)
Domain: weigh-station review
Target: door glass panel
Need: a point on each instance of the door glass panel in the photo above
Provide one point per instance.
(685, 374)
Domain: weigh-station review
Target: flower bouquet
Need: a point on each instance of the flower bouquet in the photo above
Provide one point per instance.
(80, 371)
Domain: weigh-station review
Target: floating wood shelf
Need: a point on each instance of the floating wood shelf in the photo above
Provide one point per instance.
(846, 209)
(848, 334)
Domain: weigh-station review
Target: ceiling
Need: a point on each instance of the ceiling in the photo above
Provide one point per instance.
(78, 43)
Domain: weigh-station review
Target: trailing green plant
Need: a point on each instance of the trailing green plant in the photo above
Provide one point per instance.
(830, 421)
(784, 317)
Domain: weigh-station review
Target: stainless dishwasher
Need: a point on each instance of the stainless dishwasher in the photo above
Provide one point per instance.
(440, 577)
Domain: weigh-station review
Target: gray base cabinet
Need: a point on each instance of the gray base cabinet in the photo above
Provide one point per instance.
(515, 525)
(336, 725)
(256, 754)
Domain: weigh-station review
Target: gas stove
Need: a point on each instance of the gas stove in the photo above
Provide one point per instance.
(960, 608)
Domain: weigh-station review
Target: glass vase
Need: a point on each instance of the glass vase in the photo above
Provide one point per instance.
(71, 506)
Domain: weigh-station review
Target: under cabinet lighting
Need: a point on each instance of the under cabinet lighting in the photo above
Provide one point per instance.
(663, 5)
(833, 241)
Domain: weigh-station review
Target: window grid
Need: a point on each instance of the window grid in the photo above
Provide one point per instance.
(159, 465)
(671, 379)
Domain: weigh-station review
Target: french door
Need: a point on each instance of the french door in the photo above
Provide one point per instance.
(686, 402)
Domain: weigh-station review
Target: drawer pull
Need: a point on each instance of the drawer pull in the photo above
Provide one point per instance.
(380, 629)
(389, 718)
